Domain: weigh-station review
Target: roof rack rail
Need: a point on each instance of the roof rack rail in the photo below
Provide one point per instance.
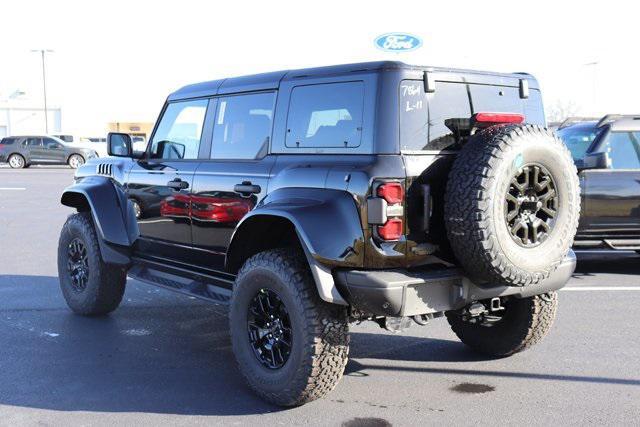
(573, 120)
(613, 117)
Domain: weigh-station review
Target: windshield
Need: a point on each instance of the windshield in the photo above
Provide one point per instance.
(578, 138)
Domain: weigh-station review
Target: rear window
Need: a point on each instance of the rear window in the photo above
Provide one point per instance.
(32, 142)
(7, 141)
(422, 114)
(243, 126)
(325, 115)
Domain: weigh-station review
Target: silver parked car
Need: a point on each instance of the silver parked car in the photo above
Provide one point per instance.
(24, 151)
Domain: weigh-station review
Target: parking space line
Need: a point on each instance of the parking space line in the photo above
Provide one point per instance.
(601, 288)
(12, 188)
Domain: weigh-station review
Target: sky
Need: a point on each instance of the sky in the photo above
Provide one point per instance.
(118, 60)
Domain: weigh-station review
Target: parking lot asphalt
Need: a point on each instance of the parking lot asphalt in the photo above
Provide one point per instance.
(164, 358)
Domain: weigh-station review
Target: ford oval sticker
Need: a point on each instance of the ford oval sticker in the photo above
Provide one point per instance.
(398, 42)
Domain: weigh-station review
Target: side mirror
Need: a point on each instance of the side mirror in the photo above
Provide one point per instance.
(599, 160)
(171, 150)
(119, 144)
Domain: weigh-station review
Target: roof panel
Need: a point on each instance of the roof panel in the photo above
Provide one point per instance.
(266, 81)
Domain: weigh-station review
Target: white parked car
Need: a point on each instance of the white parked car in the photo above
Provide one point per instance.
(99, 145)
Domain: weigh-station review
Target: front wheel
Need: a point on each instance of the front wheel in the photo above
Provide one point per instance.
(522, 324)
(89, 286)
(75, 161)
(290, 346)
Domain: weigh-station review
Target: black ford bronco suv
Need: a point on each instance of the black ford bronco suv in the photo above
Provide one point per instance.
(313, 198)
(607, 155)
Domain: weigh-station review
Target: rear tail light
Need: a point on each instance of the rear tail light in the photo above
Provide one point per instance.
(391, 230)
(392, 192)
(385, 210)
(497, 118)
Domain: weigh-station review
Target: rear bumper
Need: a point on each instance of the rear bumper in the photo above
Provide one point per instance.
(413, 292)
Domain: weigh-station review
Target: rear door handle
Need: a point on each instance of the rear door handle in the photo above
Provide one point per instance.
(247, 188)
(178, 184)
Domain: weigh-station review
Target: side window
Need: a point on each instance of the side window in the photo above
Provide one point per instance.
(51, 144)
(32, 142)
(325, 115)
(179, 131)
(242, 126)
(623, 149)
(422, 115)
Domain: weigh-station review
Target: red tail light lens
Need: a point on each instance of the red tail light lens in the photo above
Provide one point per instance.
(495, 118)
(392, 192)
(391, 230)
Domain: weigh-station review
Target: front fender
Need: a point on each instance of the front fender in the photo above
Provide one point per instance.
(328, 227)
(112, 214)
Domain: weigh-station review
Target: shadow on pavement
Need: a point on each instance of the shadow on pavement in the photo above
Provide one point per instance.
(163, 354)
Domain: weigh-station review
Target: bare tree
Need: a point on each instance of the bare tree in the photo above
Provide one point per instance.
(560, 110)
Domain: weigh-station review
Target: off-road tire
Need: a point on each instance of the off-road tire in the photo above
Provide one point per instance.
(525, 323)
(19, 162)
(475, 205)
(320, 333)
(106, 283)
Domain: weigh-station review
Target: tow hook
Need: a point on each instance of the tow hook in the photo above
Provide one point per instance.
(495, 304)
(395, 324)
(423, 319)
(476, 309)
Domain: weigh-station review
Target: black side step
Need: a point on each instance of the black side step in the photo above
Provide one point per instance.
(209, 288)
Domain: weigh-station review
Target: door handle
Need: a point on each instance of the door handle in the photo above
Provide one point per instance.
(178, 184)
(247, 188)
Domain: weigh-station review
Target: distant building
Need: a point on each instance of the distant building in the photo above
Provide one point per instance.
(20, 117)
(142, 129)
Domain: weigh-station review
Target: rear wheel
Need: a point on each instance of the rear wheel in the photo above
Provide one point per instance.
(75, 161)
(16, 161)
(89, 286)
(290, 346)
(522, 324)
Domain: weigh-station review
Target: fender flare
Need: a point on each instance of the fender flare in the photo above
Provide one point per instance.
(112, 214)
(327, 224)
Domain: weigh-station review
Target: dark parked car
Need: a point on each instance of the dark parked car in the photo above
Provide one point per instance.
(310, 199)
(607, 154)
(24, 151)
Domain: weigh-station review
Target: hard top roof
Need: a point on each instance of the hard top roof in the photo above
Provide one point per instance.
(271, 80)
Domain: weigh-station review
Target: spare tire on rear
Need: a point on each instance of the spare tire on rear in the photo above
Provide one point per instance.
(512, 205)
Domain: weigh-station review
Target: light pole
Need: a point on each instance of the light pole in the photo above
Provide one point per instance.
(593, 66)
(44, 87)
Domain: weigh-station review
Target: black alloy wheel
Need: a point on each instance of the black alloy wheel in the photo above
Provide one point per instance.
(532, 205)
(78, 264)
(269, 329)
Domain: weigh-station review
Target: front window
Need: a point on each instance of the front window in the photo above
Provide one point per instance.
(623, 149)
(578, 139)
(179, 131)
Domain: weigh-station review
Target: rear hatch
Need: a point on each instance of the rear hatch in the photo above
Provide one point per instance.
(428, 145)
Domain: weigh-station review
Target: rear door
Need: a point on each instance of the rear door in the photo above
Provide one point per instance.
(33, 149)
(162, 182)
(612, 196)
(234, 178)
